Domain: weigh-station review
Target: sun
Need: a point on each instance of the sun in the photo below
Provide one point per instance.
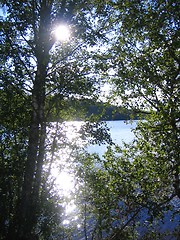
(62, 33)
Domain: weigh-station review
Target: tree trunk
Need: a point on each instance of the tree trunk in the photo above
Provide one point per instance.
(29, 204)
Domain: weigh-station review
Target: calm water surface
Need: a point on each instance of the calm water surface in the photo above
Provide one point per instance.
(121, 131)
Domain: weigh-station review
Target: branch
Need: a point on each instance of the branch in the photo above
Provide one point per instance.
(126, 224)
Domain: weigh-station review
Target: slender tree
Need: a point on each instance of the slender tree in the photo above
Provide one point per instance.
(39, 75)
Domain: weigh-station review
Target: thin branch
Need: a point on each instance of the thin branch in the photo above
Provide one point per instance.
(126, 224)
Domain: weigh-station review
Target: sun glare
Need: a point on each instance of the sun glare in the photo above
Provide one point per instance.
(62, 33)
(64, 181)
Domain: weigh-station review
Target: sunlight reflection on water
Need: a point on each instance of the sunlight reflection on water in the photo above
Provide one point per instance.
(67, 140)
(64, 140)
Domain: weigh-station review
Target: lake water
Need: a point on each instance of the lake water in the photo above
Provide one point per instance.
(121, 131)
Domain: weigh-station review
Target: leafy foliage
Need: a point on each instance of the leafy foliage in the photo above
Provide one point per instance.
(133, 45)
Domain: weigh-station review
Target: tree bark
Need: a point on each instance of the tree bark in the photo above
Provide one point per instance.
(29, 204)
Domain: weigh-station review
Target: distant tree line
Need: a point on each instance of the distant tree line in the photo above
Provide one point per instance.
(110, 113)
(85, 109)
